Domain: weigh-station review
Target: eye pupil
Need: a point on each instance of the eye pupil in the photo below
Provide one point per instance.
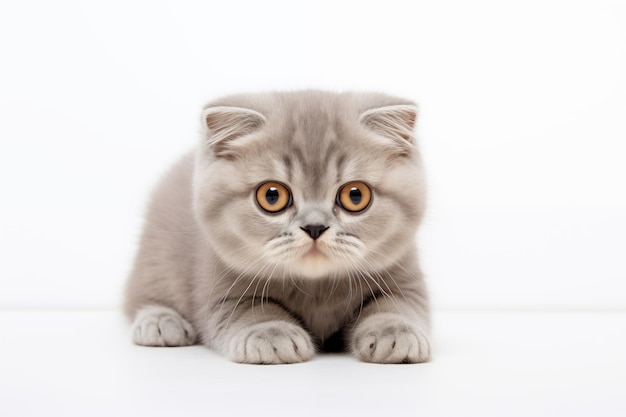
(355, 195)
(272, 195)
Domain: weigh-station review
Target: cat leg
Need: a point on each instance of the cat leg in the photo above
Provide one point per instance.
(156, 325)
(260, 335)
(391, 331)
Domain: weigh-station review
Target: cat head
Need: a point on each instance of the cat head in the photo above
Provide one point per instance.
(309, 184)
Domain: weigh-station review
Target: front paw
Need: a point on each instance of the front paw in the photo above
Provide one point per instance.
(390, 338)
(162, 326)
(272, 342)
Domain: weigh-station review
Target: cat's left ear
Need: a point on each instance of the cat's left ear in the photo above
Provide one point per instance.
(394, 122)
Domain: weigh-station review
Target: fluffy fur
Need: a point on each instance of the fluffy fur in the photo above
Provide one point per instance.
(215, 268)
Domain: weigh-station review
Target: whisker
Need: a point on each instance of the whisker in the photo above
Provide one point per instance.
(397, 264)
(333, 288)
(246, 266)
(390, 295)
(298, 287)
(243, 295)
(349, 298)
(254, 297)
(267, 281)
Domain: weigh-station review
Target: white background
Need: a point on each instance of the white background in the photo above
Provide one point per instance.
(522, 126)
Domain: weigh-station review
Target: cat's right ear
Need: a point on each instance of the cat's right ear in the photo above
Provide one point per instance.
(226, 127)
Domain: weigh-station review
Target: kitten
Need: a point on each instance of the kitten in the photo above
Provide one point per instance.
(290, 229)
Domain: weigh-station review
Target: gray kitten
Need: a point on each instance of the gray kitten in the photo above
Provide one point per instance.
(290, 229)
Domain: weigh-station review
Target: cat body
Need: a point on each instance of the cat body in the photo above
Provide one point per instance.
(289, 229)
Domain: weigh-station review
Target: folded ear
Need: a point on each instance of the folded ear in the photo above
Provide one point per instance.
(394, 122)
(225, 125)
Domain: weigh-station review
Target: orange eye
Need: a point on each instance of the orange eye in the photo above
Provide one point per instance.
(354, 196)
(273, 196)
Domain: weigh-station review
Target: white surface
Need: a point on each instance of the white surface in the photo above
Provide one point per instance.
(485, 364)
(522, 127)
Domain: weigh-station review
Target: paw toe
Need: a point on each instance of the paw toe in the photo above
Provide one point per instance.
(271, 343)
(390, 339)
(161, 326)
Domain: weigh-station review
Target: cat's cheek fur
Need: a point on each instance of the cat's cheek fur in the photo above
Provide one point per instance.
(390, 338)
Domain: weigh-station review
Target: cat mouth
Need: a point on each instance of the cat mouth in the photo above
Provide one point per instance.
(314, 252)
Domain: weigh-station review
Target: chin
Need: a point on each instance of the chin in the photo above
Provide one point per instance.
(314, 267)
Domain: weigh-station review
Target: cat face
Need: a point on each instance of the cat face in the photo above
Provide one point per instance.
(309, 184)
